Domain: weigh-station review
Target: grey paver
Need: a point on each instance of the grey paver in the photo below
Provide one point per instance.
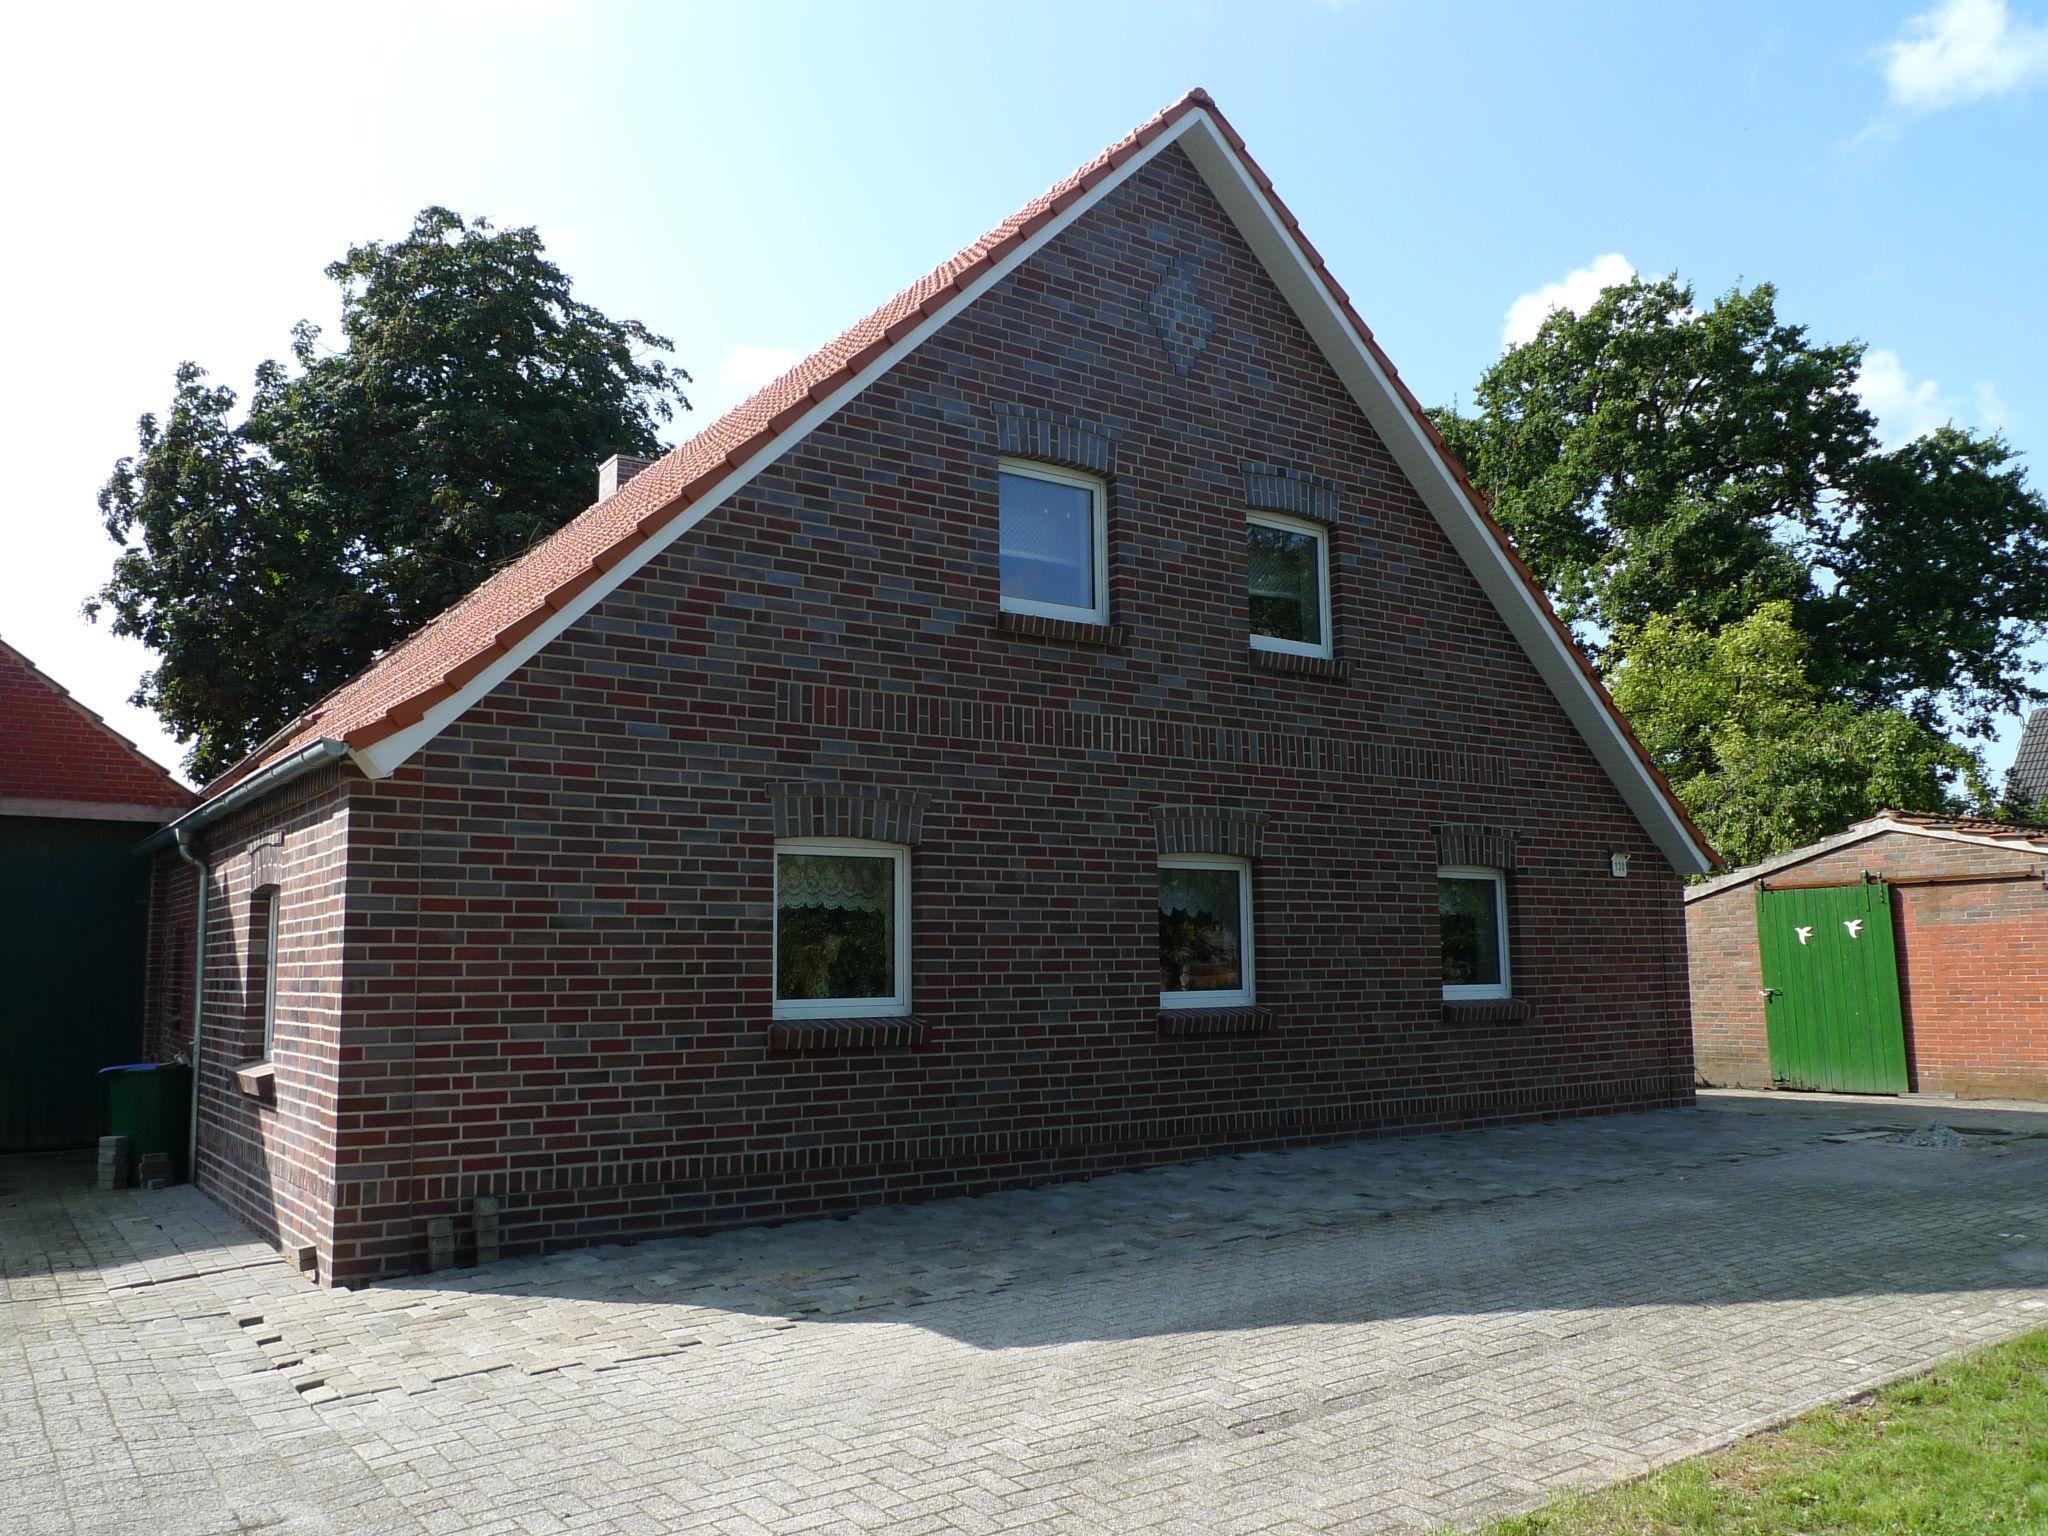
(1384, 1336)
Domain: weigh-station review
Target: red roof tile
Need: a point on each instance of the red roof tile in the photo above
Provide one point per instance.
(53, 748)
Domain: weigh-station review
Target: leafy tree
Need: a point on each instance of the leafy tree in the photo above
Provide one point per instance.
(1652, 458)
(269, 559)
(1760, 753)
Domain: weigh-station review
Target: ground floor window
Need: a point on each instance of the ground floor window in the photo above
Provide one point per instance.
(266, 915)
(842, 928)
(1205, 931)
(1472, 912)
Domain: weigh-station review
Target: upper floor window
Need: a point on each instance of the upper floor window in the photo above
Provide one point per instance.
(842, 928)
(1472, 912)
(1289, 574)
(1055, 545)
(1205, 931)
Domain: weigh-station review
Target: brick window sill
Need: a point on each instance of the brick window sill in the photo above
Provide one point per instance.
(1301, 666)
(257, 1079)
(845, 1034)
(1215, 1021)
(1490, 1010)
(1111, 637)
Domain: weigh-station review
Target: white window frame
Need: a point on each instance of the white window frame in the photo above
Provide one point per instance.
(1474, 992)
(1282, 523)
(848, 1007)
(272, 902)
(1098, 492)
(1247, 934)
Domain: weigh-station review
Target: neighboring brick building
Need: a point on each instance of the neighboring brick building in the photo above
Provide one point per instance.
(75, 799)
(1218, 779)
(1969, 904)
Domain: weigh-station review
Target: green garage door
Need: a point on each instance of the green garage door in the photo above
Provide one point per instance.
(74, 902)
(1831, 988)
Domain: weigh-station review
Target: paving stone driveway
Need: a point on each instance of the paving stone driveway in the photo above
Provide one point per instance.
(1388, 1336)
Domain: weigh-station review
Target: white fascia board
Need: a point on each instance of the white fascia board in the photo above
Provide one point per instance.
(1861, 832)
(1426, 469)
(382, 758)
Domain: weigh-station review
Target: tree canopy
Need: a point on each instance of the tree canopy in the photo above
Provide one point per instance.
(268, 558)
(1653, 458)
(1795, 616)
(1763, 758)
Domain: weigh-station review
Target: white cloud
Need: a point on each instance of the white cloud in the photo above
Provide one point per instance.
(1907, 407)
(1576, 292)
(1963, 50)
(744, 369)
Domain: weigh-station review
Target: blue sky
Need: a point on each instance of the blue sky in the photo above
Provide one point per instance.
(750, 178)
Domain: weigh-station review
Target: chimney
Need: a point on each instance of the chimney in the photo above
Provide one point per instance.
(615, 471)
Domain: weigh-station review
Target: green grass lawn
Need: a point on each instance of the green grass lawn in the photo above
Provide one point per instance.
(1960, 1452)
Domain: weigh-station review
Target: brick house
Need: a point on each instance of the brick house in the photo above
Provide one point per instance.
(75, 798)
(1080, 717)
(1964, 905)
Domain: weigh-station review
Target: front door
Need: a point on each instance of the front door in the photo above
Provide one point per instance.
(1831, 988)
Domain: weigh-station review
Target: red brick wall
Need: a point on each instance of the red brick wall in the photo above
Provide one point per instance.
(1972, 977)
(270, 1161)
(556, 962)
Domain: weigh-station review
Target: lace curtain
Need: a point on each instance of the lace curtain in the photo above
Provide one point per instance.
(847, 884)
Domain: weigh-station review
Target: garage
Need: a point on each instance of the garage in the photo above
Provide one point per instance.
(1909, 954)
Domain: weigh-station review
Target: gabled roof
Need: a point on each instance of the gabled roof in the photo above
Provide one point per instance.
(58, 758)
(2026, 784)
(415, 690)
(1950, 829)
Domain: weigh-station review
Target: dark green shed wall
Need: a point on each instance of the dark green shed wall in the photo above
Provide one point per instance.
(74, 910)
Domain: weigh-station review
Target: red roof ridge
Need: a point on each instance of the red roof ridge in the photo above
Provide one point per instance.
(181, 795)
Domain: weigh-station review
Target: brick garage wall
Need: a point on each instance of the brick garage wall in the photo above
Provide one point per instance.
(269, 1161)
(168, 964)
(1971, 975)
(558, 964)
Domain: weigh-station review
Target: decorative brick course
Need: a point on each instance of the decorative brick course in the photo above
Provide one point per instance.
(843, 1034)
(1028, 432)
(1272, 488)
(1207, 829)
(1215, 1021)
(1485, 847)
(1074, 631)
(870, 811)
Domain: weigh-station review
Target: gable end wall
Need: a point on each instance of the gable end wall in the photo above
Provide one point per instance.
(558, 972)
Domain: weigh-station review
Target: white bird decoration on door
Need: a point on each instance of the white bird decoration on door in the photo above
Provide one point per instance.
(1854, 925)
(1804, 934)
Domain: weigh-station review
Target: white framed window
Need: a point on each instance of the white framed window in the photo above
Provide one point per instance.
(1205, 931)
(270, 922)
(1288, 575)
(1472, 914)
(1055, 542)
(842, 928)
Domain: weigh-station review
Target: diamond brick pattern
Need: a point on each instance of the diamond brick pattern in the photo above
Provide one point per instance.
(1180, 312)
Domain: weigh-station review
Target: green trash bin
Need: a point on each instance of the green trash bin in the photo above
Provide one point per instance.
(151, 1104)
